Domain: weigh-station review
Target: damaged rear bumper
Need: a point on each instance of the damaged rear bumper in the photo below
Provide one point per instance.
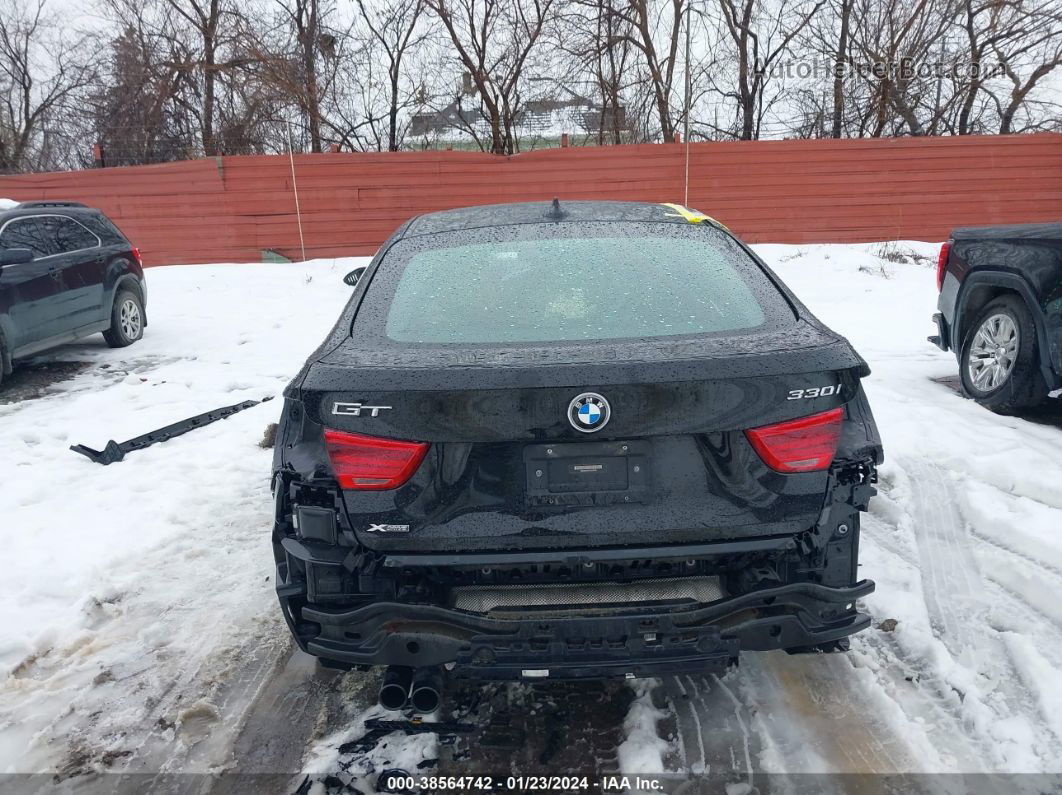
(631, 640)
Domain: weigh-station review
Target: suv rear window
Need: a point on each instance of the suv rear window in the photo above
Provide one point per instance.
(581, 282)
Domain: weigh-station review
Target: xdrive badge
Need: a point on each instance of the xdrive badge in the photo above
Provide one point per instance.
(388, 528)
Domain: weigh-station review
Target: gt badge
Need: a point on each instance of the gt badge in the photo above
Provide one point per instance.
(355, 409)
(589, 412)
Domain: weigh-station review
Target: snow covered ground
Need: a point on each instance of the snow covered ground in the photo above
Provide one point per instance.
(136, 593)
(138, 625)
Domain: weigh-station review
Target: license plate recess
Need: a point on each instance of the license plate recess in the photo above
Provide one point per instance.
(587, 473)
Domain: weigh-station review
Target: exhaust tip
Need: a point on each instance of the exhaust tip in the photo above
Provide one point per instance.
(426, 694)
(395, 688)
(425, 700)
(392, 697)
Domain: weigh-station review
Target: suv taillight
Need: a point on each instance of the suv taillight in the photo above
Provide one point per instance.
(368, 462)
(942, 263)
(137, 257)
(804, 445)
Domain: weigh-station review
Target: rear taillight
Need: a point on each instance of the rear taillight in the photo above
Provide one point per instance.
(804, 445)
(942, 263)
(137, 257)
(367, 462)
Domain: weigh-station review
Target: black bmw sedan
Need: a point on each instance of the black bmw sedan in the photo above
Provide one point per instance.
(570, 440)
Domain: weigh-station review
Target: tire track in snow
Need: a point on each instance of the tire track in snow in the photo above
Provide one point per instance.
(688, 723)
(802, 714)
(951, 578)
(961, 544)
(746, 737)
(959, 604)
(1025, 581)
(914, 685)
(1049, 570)
(813, 703)
(712, 727)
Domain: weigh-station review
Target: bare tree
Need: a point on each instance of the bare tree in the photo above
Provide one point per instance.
(821, 107)
(212, 28)
(655, 30)
(610, 60)
(385, 77)
(893, 38)
(1028, 55)
(361, 102)
(396, 26)
(840, 60)
(171, 79)
(295, 62)
(41, 69)
(759, 40)
(595, 39)
(130, 110)
(304, 17)
(493, 40)
(972, 17)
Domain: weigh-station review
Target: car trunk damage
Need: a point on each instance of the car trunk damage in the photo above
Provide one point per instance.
(591, 477)
(664, 541)
(506, 468)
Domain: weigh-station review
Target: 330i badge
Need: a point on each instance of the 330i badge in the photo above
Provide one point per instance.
(498, 467)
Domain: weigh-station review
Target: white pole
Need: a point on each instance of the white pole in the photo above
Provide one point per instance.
(686, 126)
(295, 188)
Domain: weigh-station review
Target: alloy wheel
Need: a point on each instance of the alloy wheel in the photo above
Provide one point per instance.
(129, 319)
(993, 352)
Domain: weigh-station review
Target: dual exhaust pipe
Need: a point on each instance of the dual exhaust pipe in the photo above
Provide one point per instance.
(422, 688)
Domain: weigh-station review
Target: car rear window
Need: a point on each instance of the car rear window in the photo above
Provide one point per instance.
(568, 282)
(104, 228)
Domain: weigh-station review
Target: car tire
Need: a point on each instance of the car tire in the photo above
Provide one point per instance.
(127, 320)
(999, 364)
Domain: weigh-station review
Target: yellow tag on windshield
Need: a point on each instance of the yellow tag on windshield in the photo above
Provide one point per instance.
(693, 216)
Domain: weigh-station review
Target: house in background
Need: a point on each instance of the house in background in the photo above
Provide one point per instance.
(540, 121)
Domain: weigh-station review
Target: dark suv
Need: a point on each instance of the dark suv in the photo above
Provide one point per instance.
(65, 272)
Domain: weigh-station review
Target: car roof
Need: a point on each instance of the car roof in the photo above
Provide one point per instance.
(45, 207)
(550, 211)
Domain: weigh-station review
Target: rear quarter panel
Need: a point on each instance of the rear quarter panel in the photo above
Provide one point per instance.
(122, 270)
(985, 262)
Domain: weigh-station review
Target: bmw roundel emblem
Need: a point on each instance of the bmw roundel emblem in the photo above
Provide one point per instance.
(589, 412)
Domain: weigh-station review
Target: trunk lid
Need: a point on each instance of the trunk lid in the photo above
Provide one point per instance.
(509, 469)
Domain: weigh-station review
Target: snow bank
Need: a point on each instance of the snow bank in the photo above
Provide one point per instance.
(970, 618)
(146, 586)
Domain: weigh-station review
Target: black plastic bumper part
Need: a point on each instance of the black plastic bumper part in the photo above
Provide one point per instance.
(642, 640)
(113, 451)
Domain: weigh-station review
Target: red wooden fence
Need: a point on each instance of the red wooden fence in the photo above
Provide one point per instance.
(231, 209)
